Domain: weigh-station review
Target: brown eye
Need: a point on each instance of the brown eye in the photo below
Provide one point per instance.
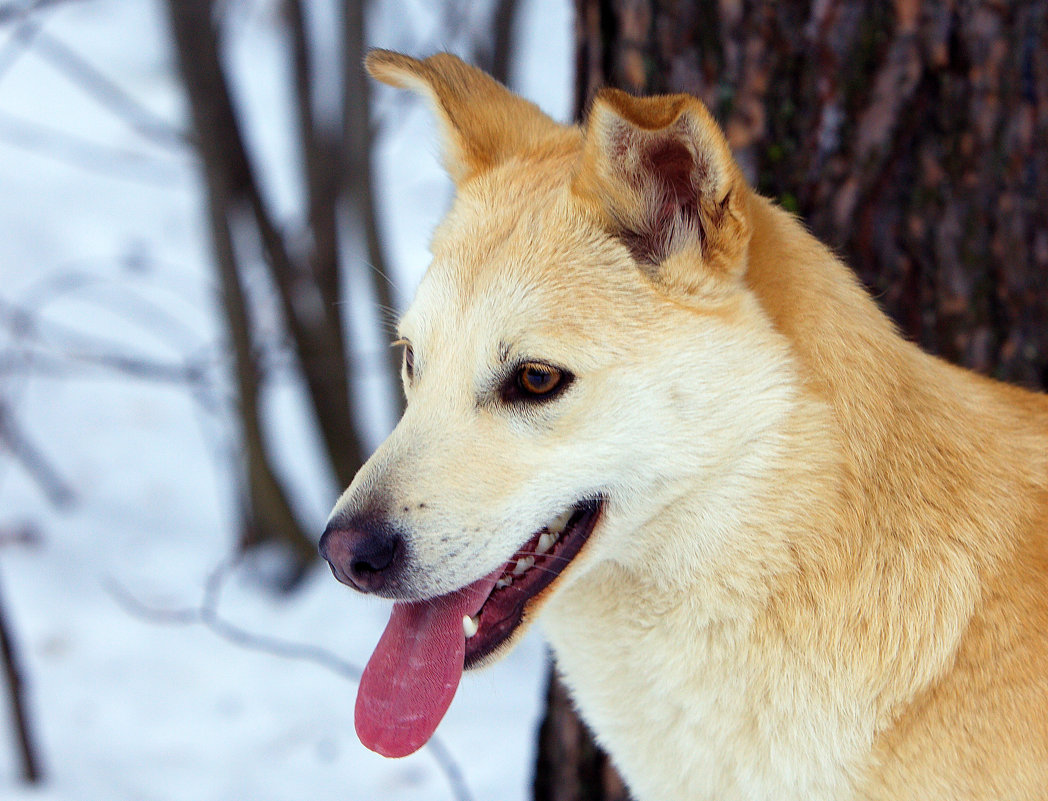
(538, 380)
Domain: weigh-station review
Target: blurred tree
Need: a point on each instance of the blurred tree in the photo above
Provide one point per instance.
(307, 284)
(909, 135)
(303, 264)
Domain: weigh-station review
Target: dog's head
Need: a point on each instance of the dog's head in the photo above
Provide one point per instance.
(581, 349)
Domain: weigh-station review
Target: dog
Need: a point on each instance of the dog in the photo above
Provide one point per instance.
(779, 552)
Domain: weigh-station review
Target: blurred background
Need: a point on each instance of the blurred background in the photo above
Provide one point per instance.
(209, 220)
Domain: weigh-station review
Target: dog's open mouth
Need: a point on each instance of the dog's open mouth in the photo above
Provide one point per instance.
(533, 568)
(412, 676)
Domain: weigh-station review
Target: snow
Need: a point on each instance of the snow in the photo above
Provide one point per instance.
(102, 239)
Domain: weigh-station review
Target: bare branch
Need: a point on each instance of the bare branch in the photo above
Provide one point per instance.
(64, 343)
(84, 154)
(25, 534)
(31, 771)
(12, 12)
(15, 46)
(109, 94)
(34, 462)
(117, 296)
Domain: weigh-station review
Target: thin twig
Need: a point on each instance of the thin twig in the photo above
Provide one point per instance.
(77, 151)
(65, 343)
(10, 12)
(18, 42)
(45, 347)
(450, 766)
(31, 771)
(109, 94)
(115, 296)
(207, 615)
(141, 368)
(58, 492)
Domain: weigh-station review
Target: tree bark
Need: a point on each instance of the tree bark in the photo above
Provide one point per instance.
(910, 136)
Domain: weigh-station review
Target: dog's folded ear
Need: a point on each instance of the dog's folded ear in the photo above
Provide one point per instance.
(483, 122)
(659, 174)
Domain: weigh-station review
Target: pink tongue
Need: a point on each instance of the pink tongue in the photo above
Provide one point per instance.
(412, 676)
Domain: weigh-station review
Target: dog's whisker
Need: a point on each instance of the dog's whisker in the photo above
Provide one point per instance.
(541, 555)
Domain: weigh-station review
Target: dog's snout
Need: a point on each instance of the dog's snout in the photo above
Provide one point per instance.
(362, 554)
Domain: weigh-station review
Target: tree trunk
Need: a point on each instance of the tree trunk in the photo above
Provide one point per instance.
(910, 136)
(570, 766)
(232, 199)
(304, 290)
(358, 178)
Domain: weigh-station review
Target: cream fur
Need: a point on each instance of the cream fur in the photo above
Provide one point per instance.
(822, 570)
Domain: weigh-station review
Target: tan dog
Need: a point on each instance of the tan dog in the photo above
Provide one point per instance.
(780, 553)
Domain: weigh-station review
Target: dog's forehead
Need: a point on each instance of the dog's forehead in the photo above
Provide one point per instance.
(515, 254)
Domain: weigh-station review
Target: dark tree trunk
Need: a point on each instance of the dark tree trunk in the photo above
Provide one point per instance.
(910, 136)
(232, 197)
(358, 178)
(570, 766)
(307, 291)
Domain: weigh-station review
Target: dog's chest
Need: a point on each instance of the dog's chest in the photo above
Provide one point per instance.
(693, 712)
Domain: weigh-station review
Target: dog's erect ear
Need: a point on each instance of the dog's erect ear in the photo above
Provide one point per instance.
(659, 174)
(484, 123)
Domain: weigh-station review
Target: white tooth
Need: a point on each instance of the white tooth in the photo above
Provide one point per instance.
(523, 564)
(546, 540)
(469, 626)
(505, 581)
(561, 521)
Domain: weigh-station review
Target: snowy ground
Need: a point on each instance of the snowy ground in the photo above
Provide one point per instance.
(101, 237)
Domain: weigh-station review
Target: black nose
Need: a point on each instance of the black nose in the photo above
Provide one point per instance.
(362, 552)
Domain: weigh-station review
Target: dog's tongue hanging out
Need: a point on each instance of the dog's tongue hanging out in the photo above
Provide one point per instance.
(412, 676)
